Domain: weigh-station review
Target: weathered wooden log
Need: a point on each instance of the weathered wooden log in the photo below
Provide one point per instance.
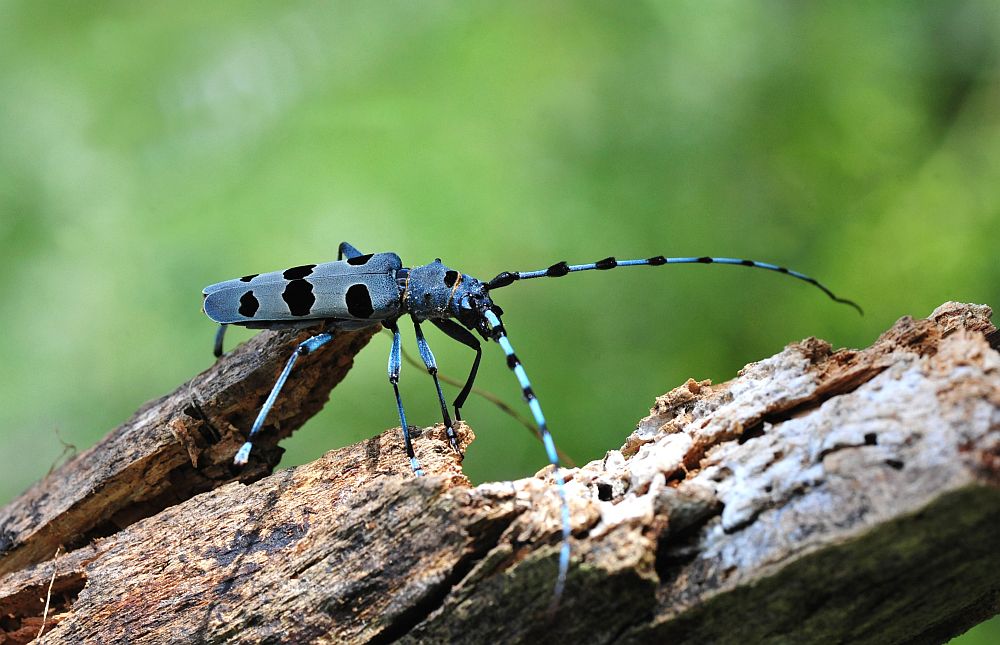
(820, 496)
(174, 448)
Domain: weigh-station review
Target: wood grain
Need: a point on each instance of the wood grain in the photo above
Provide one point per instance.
(819, 496)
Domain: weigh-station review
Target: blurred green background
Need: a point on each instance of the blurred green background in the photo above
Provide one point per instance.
(149, 149)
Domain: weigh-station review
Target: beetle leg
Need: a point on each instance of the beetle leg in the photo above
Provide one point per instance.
(307, 346)
(394, 365)
(428, 358)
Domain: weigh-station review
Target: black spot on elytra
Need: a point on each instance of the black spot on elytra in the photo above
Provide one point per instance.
(298, 295)
(359, 301)
(606, 263)
(871, 439)
(450, 278)
(557, 270)
(297, 273)
(248, 278)
(657, 261)
(248, 304)
(359, 260)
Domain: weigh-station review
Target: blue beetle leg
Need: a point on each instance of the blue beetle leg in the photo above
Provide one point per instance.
(428, 358)
(220, 336)
(464, 336)
(305, 347)
(394, 365)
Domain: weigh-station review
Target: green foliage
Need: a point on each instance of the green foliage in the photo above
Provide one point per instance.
(147, 150)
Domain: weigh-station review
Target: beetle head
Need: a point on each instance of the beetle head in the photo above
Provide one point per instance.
(470, 304)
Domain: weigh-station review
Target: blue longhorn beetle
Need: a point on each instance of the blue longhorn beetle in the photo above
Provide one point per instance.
(361, 290)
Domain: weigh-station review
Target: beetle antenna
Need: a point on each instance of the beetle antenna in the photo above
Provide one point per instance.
(560, 269)
(499, 334)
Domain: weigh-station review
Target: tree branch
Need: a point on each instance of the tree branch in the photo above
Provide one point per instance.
(819, 496)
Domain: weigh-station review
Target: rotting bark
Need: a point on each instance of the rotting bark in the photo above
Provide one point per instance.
(174, 447)
(820, 496)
